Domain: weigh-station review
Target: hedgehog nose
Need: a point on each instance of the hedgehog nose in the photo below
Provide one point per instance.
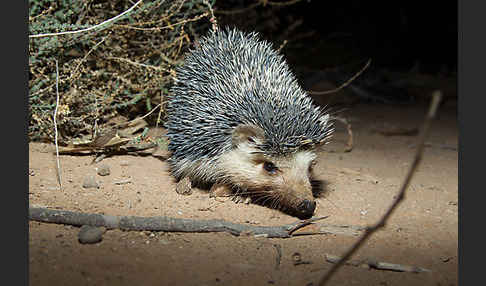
(306, 209)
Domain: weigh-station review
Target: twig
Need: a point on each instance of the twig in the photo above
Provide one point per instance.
(436, 97)
(74, 72)
(372, 263)
(282, 46)
(90, 28)
(94, 134)
(212, 19)
(237, 11)
(264, 3)
(41, 14)
(123, 182)
(169, 26)
(159, 223)
(140, 118)
(163, 223)
(288, 3)
(440, 146)
(349, 144)
(342, 85)
(55, 126)
(87, 54)
(138, 64)
(278, 258)
(160, 111)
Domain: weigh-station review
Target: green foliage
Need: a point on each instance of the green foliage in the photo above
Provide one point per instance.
(119, 68)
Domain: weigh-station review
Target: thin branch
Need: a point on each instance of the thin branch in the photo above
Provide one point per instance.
(237, 11)
(55, 126)
(74, 72)
(158, 68)
(150, 112)
(379, 265)
(170, 26)
(90, 28)
(162, 223)
(87, 54)
(261, 2)
(288, 3)
(436, 97)
(169, 224)
(349, 144)
(160, 110)
(212, 19)
(282, 46)
(342, 85)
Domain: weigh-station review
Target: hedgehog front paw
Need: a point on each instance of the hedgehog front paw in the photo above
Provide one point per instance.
(218, 191)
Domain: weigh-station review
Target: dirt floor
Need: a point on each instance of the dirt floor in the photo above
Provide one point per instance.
(361, 184)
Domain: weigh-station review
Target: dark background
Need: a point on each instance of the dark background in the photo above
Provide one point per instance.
(396, 34)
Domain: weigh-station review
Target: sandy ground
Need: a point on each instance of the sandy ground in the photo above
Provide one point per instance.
(361, 184)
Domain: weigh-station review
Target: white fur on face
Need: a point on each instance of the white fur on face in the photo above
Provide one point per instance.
(243, 167)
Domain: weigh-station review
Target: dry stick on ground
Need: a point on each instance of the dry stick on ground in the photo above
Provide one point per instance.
(168, 224)
(371, 263)
(163, 223)
(55, 126)
(278, 258)
(436, 97)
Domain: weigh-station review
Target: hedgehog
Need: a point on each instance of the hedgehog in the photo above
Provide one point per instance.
(239, 123)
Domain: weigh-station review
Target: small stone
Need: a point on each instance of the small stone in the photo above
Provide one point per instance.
(103, 170)
(90, 234)
(164, 241)
(296, 257)
(183, 187)
(90, 182)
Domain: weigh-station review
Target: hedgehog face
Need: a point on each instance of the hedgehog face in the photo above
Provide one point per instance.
(282, 181)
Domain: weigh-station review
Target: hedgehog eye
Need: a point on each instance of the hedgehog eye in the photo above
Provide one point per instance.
(270, 167)
(251, 140)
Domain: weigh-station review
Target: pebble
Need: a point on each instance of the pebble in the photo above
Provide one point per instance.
(164, 241)
(90, 182)
(103, 170)
(90, 234)
(183, 187)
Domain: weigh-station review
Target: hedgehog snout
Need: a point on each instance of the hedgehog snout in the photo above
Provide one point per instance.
(306, 209)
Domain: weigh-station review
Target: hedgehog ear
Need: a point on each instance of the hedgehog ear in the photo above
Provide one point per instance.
(245, 133)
